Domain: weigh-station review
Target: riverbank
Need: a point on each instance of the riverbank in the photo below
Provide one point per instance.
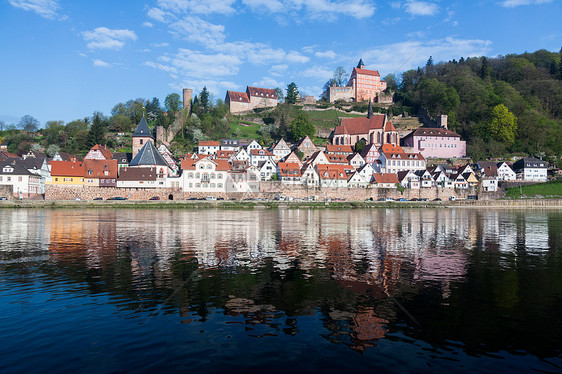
(202, 204)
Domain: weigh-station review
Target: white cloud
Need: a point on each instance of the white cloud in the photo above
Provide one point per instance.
(319, 9)
(101, 63)
(326, 54)
(104, 38)
(268, 82)
(147, 24)
(160, 15)
(197, 30)
(45, 8)
(197, 64)
(160, 45)
(318, 72)
(198, 6)
(421, 8)
(402, 56)
(515, 3)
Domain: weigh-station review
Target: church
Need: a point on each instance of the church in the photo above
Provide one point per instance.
(373, 129)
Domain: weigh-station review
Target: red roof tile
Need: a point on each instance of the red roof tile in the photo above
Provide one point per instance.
(262, 92)
(97, 169)
(386, 178)
(332, 148)
(67, 169)
(366, 72)
(240, 97)
(210, 143)
(360, 125)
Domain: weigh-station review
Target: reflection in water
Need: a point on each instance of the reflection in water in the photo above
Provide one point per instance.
(489, 280)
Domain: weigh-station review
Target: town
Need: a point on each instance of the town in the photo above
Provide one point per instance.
(427, 163)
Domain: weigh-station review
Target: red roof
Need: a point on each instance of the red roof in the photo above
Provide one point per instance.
(403, 156)
(332, 148)
(289, 169)
(385, 178)
(188, 164)
(67, 169)
(391, 148)
(262, 92)
(210, 143)
(336, 159)
(330, 171)
(222, 165)
(235, 96)
(361, 125)
(224, 154)
(261, 152)
(98, 169)
(366, 72)
(106, 153)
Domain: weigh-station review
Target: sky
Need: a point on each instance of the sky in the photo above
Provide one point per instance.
(64, 60)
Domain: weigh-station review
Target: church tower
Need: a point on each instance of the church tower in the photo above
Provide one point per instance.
(141, 136)
(360, 65)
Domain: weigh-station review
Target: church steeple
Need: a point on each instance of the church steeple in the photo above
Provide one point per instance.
(360, 65)
(141, 136)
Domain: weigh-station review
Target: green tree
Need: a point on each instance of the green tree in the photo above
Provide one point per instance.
(280, 95)
(53, 131)
(172, 104)
(28, 123)
(96, 135)
(301, 127)
(204, 100)
(340, 76)
(503, 125)
(391, 84)
(292, 93)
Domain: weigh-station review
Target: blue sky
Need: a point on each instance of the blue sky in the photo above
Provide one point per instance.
(63, 60)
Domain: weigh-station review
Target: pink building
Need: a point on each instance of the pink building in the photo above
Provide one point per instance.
(436, 143)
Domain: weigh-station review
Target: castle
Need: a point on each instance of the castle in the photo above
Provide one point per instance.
(363, 85)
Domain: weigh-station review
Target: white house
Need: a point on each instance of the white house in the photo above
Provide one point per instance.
(531, 169)
(253, 145)
(267, 169)
(208, 147)
(280, 150)
(259, 155)
(205, 175)
(356, 180)
(505, 172)
(23, 182)
(309, 175)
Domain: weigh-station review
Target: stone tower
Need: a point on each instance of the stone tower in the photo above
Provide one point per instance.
(187, 95)
(141, 136)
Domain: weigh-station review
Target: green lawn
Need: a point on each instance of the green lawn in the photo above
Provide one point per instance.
(243, 130)
(548, 189)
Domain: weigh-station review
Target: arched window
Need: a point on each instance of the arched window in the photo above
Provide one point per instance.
(378, 137)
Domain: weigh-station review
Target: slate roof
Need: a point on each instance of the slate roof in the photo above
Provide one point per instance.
(428, 131)
(148, 156)
(122, 157)
(142, 130)
(18, 168)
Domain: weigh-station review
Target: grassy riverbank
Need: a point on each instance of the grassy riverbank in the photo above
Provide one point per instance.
(549, 189)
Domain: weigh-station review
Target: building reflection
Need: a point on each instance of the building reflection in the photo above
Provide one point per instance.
(263, 266)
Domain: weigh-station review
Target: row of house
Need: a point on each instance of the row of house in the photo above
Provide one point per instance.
(229, 166)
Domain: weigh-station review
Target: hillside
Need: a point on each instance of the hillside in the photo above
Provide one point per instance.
(504, 105)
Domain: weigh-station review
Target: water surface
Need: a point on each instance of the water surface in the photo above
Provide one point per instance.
(393, 290)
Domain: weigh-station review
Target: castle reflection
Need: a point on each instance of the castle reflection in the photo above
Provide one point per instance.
(268, 267)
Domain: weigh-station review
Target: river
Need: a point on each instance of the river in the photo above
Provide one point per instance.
(308, 290)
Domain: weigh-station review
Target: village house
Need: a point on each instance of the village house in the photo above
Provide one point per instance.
(435, 143)
(394, 162)
(292, 157)
(441, 179)
(356, 180)
(307, 147)
(205, 175)
(243, 180)
(366, 171)
(280, 150)
(289, 173)
(531, 169)
(332, 176)
(334, 149)
(229, 145)
(122, 159)
(267, 169)
(100, 172)
(137, 178)
(309, 176)
(243, 156)
(355, 160)
(259, 155)
(409, 179)
(149, 157)
(370, 153)
(254, 97)
(69, 173)
(169, 158)
(38, 166)
(505, 172)
(426, 180)
(252, 146)
(208, 147)
(385, 180)
(25, 184)
(99, 152)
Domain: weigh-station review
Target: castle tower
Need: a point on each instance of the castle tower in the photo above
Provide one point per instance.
(360, 65)
(187, 95)
(141, 136)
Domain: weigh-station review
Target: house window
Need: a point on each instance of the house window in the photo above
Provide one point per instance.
(141, 141)
(20, 179)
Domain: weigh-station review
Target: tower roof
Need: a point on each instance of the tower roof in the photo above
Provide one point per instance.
(148, 156)
(142, 130)
(360, 65)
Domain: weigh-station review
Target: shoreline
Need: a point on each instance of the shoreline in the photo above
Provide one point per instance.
(201, 204)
